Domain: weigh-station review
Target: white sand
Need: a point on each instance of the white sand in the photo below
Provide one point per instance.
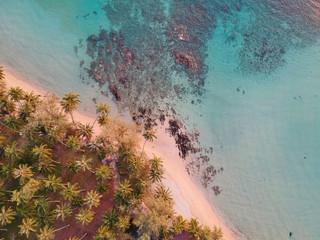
(189, 197)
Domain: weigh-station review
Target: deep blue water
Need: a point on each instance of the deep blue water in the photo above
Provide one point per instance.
(245, 74)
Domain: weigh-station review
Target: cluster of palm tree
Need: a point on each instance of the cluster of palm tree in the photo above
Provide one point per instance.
(46, 161)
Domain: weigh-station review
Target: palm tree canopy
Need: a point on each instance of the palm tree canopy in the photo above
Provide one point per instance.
(69, 102)
(104, 173)
(62, 211)
(28, 226)
(92, 199)
(150, 135)
(70, 191)
(85, 216)
(42, 151)
(23, 172)
(6, 215)
(111, 218)
(84, 163)
(46, 233)
(16, 93)
(103, 108)
(53, 182)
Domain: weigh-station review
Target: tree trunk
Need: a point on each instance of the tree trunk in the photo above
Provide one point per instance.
(56, 230)
(143, 147)
(72, 118)
(83, 236)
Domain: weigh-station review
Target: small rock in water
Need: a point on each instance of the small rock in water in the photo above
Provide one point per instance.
(197, 133)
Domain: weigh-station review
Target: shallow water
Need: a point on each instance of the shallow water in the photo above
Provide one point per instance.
(253, 94)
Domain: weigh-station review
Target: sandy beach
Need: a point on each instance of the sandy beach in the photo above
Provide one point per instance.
(189, 197)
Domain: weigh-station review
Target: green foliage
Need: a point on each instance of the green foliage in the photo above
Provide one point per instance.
(42, 152)
(46, 233)
(47, 123)
(29, 189)
(111, 218)
(69, 102)
(104, 233)
(85, 216)
(28, 226)
(193, 228)
(121, 134)
(85, 131)
(104, 173)
(123, 224)
(16, 94)
(62, 211)
(154, 220)
(53, 183)
(73, 142)
(179, 224)
(70, 191)
(92, 199)
(6, 215)
(123, 192)
(12, 151)
(83, 163)
(23, 172)
(156, 169)
(163, 193)
(2, 81)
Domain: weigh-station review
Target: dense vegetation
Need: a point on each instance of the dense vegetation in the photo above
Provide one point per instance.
(59, 181)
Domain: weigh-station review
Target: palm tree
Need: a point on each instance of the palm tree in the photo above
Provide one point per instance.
(53, 183)
(46, 165)
(12, 122)
(6, 216)
(23, 172)
(42, 152)
(123, 224)
(156, 171)
(73, 143)
(7, 105)
(94, 146)
(104, 173)
(2, 82)
(70, 191)
(163, 193)
(16, 93)
(28, 226)
(178, 224)
(103, 119)
(69, 103)
(62, 211)
(103, 112)
(12, 151)
(193, 228)
(92, 199)
(30, 102)
(149, 135)
(86, 131)
(104, 233)
(46, 233)
(85, 216)
(84, 164)
(110, 218)
(124, 189)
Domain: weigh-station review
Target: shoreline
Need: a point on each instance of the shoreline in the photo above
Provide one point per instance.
(190, 199)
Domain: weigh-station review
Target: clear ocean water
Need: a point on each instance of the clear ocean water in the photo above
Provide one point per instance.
(254, 98)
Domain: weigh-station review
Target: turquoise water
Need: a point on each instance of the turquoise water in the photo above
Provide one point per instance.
(255, 89)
